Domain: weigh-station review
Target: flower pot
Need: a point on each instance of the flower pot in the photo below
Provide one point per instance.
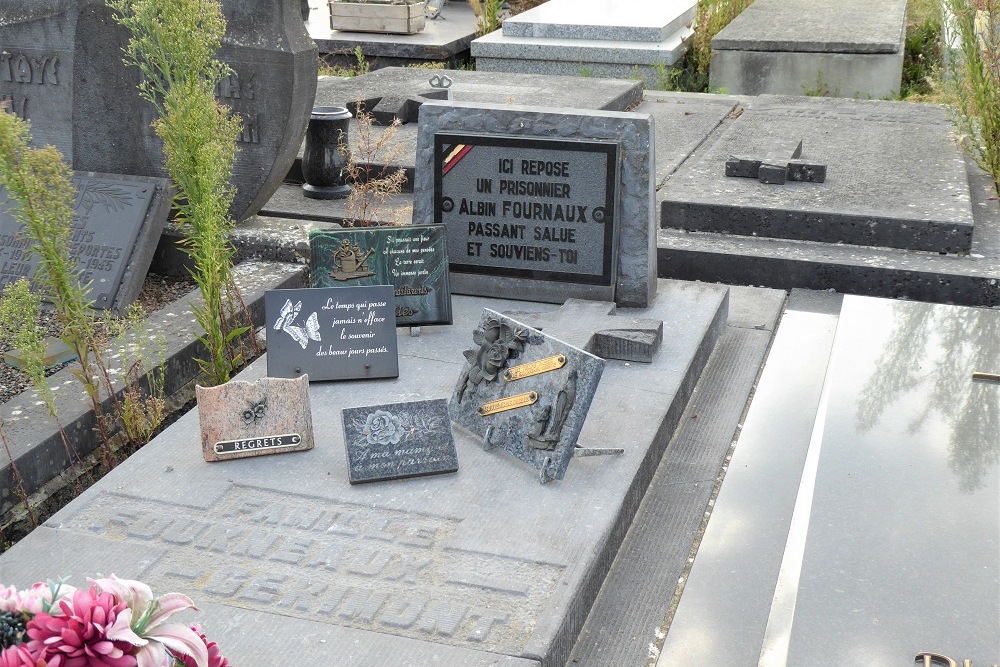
(402, 19)
(323, 163)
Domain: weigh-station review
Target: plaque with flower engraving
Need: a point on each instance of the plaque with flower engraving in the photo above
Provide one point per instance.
(399, 440)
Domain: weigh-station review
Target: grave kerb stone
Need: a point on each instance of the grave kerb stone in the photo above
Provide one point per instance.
(635, 283)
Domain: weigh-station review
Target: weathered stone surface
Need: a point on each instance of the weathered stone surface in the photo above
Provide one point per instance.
(399, 440)
(406, 83)
(460, 569)
(625, 20)
(634, 284)
(787, 47)
(81, 97)
(895, 177)
(117, 221)
(244, 419)
(593, 326)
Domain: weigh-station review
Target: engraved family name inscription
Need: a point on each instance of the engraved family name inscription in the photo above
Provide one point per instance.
(333, 562)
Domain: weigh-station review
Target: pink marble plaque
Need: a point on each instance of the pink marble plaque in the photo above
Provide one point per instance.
(243, 419)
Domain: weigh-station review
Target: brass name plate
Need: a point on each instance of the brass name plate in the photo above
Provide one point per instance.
(535, 368)
(269, 443)
(509, 403)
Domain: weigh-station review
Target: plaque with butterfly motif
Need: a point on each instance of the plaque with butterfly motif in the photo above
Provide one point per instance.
(242, 419)
(332, 333)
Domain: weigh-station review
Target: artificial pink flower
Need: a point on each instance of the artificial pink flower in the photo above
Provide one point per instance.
(215, 657)
(92, 631)
(147, 621)
(19, 656)
(10, 599)
(45, 597)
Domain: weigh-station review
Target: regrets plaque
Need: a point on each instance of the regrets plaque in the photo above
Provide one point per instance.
(526, 207)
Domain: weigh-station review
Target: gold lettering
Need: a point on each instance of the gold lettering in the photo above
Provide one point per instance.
(509, 403)
(931, 659)
(535, 368)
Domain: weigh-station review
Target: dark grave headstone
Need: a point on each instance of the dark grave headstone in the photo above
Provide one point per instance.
(399, 440)
(61, 67)
(117, 221)
(547, 204)
(243, 419)
(331, 333)
(777, 167)
(412, 259)
(594, 327)
(526, 392)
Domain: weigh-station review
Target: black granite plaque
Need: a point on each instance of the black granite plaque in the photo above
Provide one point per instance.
(525, 207)
(331, 333)
(117, 221)
(399, 440)
(413, 260)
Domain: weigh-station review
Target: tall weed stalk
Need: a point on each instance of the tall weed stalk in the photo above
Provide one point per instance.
(174, 44)
(373, 180)
(974, 80)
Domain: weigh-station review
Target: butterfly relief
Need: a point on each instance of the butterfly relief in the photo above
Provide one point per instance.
(301, 334)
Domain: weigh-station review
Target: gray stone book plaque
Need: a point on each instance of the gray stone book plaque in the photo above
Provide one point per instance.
(399, 440)
(413, 259)
(117, 221)
(528, 207)
(244, 419)
(332, 333)
(526, 392)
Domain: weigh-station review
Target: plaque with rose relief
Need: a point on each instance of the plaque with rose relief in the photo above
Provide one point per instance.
(332, 333)
(399, 440)
(243, 419)
(413, 259)
(526, 392)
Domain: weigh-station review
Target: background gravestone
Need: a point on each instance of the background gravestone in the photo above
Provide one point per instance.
(65, 74)
(116, 223)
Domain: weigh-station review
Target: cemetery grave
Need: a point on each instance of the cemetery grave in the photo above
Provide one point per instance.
(401, 519)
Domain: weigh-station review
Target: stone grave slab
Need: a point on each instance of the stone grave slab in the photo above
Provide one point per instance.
(81, 98)
(540, 260)
(525, 392)
(852, 48)
(879, 451)
(895, 177)
(481, 567)
(627, 39)
(117, 221)
(399, 440)
(403, 84)
(413, 259)
(331, 333)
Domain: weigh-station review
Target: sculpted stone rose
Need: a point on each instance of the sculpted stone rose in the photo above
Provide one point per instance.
(382, 428)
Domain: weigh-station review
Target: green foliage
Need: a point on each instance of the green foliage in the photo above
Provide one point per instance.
(488, 17)
(821, 88)
(19, 329)
(174, 43)
(360, 67)
(921, 57)
(974, 80)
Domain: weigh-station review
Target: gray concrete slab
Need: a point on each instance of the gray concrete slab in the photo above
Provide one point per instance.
(484, 564)
(895, 177)
(900, 465)
(445, 39)
(846, 26)
(852, 48)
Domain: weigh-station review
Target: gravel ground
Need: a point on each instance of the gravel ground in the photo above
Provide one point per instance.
(157, 292)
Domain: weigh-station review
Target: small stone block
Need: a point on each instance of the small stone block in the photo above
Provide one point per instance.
(57, 353)
(243, 419)
(628, 345)
(774, 174)
(806, 172)
(740, 167)
(399, 440)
